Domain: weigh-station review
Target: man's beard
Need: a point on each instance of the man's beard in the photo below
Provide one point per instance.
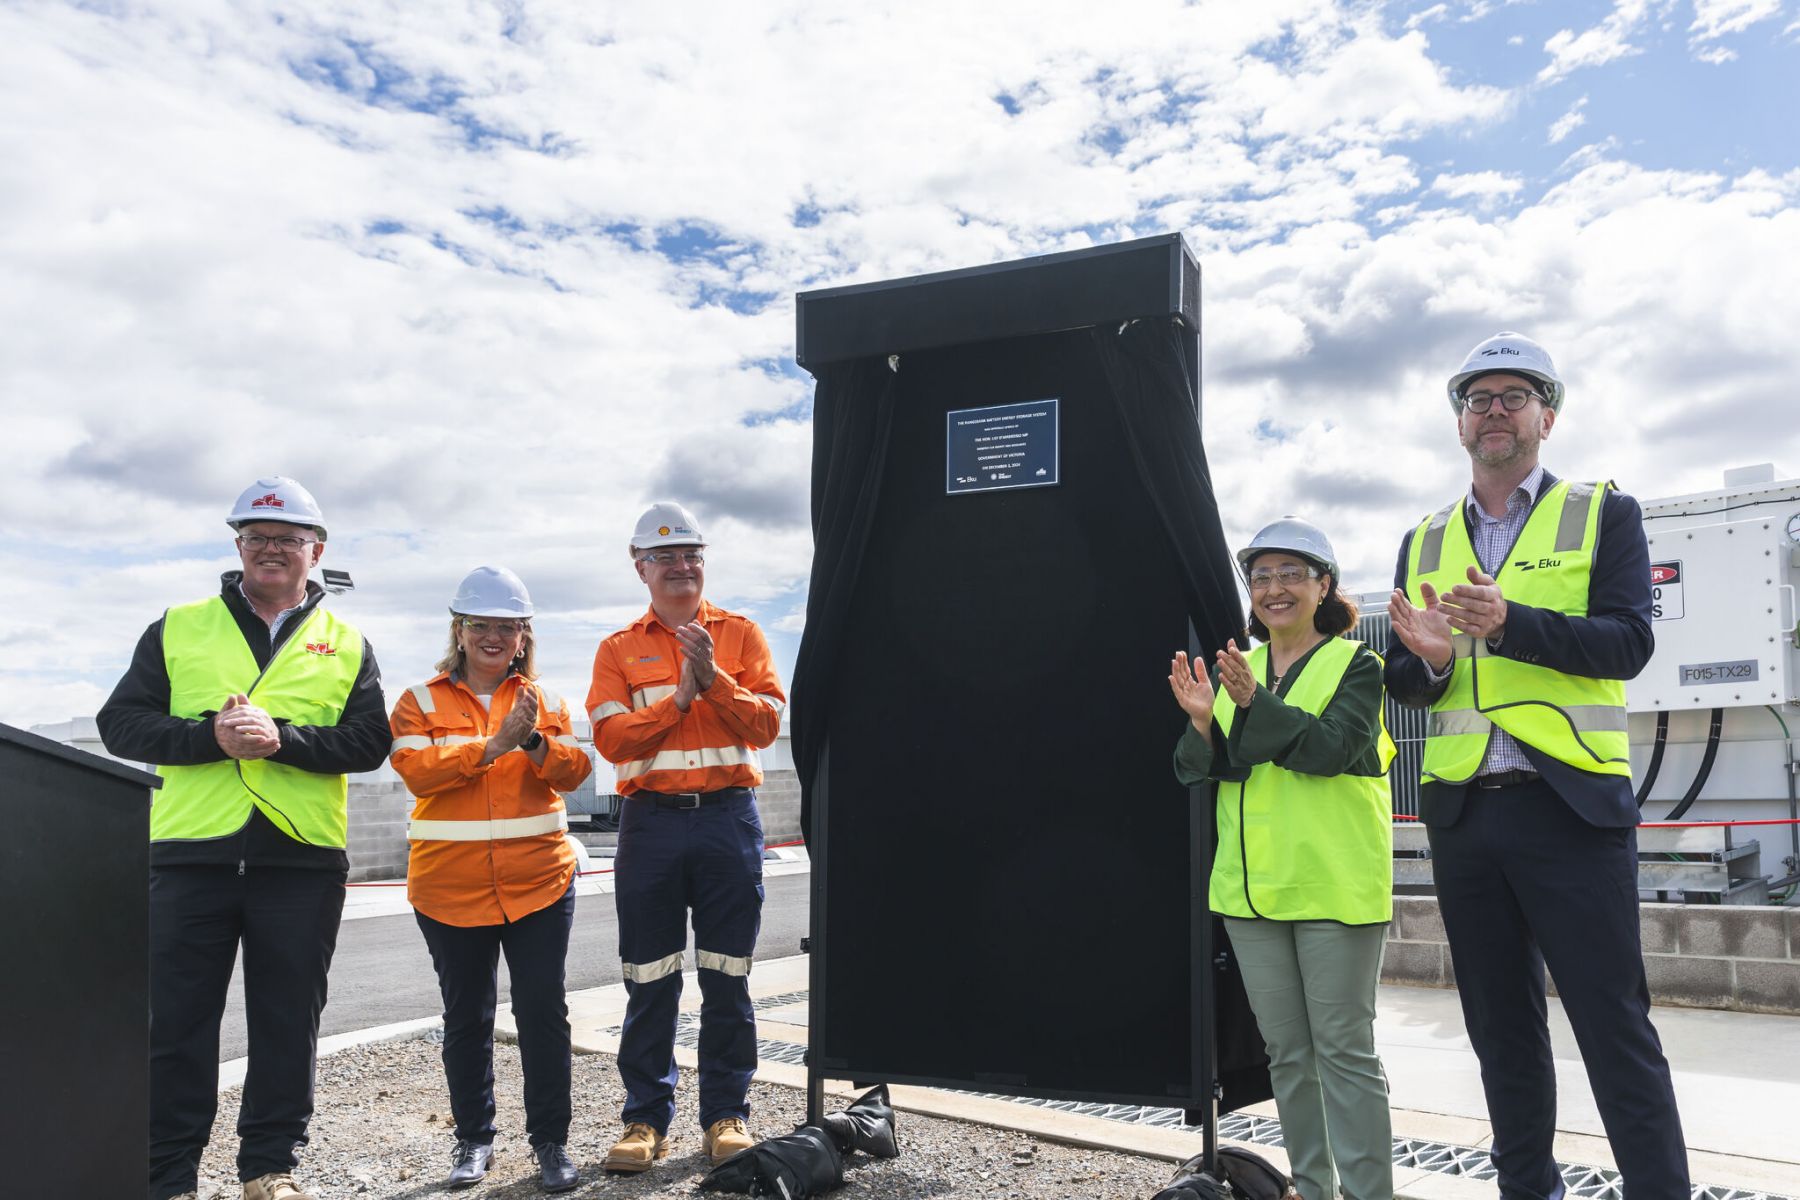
(1515, 451)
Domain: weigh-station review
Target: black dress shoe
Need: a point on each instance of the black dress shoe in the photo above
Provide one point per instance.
(556, 1171)
(469, 1163)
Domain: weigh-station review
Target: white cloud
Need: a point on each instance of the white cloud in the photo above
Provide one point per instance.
(1487, 188)
(1603, 43)
(1569, 122)
(489, 283)
(1717, 18)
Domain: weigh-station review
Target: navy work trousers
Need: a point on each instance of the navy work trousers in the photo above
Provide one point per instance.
(706, 860)
(467, 959)
(287, 920)
(1522, 882)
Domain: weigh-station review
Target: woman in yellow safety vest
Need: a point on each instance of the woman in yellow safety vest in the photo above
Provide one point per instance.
(1292, 734)
(484, 750)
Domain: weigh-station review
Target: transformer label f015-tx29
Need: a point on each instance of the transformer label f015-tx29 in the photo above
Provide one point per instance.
(1743, 670)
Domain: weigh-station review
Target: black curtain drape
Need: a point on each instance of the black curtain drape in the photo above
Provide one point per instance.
(853, 418)
(1143, 368)
(1145, 362)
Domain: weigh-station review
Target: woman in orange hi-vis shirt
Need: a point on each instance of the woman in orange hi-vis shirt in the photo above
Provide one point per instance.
(484, 751)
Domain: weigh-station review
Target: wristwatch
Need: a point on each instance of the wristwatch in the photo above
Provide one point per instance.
(533, 740)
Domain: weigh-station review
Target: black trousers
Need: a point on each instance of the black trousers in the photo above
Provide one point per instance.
(1522, 882)
(286, 918)
(467, 960)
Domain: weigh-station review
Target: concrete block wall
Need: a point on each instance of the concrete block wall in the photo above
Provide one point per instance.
(1727, 956)
(778, 799)
(378, 812)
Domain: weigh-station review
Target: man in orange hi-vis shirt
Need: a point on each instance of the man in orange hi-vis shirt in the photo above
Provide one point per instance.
(682, 699)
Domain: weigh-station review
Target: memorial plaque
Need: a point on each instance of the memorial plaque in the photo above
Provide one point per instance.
(1002, 446)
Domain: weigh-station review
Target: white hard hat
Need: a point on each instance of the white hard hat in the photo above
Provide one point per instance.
(1515, 354)
(666, 523)
(491, 592)
(1295, 536)
(277, 498)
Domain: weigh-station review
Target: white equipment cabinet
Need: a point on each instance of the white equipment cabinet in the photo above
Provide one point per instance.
(1724, 570)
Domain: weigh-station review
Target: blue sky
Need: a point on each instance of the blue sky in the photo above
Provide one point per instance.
(491, 278)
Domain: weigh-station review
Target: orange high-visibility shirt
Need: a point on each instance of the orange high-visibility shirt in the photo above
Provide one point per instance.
(487, 842)
(713, 745)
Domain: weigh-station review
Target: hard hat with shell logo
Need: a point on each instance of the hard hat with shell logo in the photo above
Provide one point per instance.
(491, 592)
(666, 523)
(277, 498)
(1513, 354)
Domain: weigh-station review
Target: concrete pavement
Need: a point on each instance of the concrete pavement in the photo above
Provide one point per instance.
(1737, 1076)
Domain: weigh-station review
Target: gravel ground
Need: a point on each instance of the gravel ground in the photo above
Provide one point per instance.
(382, 1130)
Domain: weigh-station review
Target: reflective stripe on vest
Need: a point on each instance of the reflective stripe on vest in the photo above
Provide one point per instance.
(498, 829)
(689, 760)
(1572, 718)
(308, 682)
(1295, 847)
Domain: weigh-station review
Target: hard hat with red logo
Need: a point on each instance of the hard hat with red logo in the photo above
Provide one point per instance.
(666, 523)
(491, 592)
(1513, 354)
(277, 498)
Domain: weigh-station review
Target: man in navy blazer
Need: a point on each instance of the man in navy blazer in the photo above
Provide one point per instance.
(1535, 859)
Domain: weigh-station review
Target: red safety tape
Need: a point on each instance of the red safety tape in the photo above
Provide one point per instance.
(598, 871)
(1676, 824)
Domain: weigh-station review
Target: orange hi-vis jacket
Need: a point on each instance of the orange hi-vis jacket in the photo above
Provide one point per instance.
(487, 841)
(713, 745)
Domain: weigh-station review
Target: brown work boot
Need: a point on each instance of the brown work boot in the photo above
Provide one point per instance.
(640, 1149)
(726, 1137)
(277, 1186)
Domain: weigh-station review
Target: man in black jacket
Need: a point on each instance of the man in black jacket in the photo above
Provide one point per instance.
(1539, 611)
(254, 705)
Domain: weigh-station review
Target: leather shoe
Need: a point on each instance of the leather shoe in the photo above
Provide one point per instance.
(726, 1137)
(639, 1150)
(556, 1170)
(277, 1185)
(469, 1163)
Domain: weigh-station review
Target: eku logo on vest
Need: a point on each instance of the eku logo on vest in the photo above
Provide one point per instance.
(324, 648)
(1527, 565)
(269, 501)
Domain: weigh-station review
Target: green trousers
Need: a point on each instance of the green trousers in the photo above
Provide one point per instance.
(1312, 988)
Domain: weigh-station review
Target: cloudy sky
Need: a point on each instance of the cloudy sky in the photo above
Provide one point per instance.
(489, 277)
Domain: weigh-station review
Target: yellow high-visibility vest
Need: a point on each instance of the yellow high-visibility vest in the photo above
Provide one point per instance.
(308, 682)
(1298, 847)
(1572, 718)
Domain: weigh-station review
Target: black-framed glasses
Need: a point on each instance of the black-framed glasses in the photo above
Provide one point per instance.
(288, 543)
(481, 628)
(1288, 576)
(668, 558)
(1512, 400)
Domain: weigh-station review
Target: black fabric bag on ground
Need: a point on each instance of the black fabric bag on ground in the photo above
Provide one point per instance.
(1242, 1175)
(867, 1125)
(794, 1166)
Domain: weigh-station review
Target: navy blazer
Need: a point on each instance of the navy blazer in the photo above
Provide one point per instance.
(1613, 641)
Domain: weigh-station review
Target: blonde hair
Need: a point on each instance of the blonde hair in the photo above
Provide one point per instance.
(524, 662)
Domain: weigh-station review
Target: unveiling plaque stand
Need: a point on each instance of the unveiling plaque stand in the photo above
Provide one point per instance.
(1014, 531)
(74, 870)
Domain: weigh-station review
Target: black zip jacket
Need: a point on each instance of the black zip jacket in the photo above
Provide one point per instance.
(135, 724)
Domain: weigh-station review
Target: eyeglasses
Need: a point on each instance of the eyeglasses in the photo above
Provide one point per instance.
(1512, 400)
(287, 542)
(480, 628)
(668, 558)
(1290, 576)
